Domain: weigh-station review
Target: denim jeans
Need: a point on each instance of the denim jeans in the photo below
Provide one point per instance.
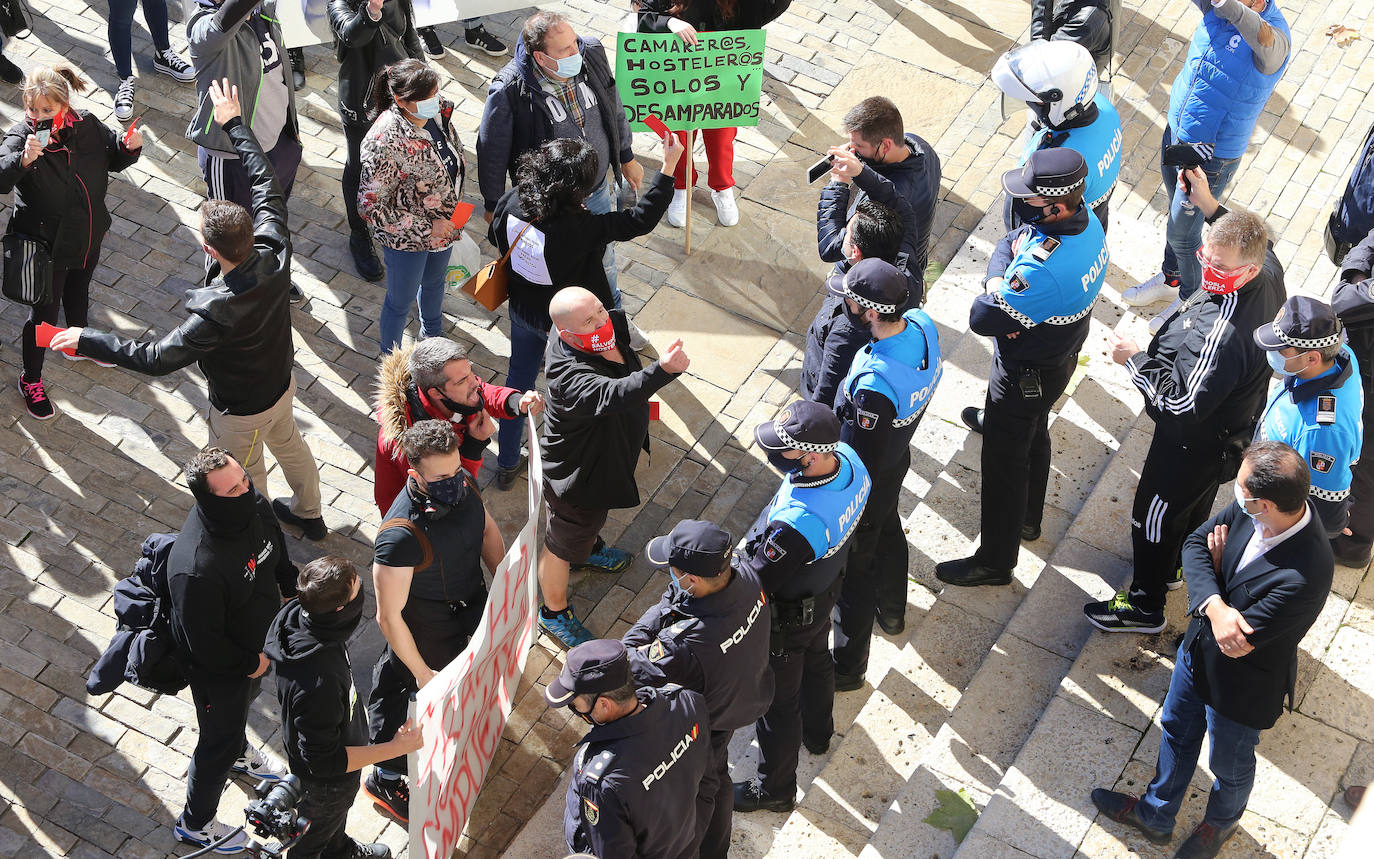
(410, 276)
(526, 354)
(121, 27)
(600, 202)
(1185, 719)
(1184, 234)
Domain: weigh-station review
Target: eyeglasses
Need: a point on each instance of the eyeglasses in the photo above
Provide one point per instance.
(1226, 271)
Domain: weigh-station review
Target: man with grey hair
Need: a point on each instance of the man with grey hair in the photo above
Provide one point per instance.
(434, 379)
(558, 84)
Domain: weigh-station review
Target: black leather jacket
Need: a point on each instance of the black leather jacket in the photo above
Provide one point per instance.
(239, 328)
(1087, 22)
(364, 47)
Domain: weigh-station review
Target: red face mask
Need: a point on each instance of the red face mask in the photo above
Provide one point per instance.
(600, 340)
(1220, 282)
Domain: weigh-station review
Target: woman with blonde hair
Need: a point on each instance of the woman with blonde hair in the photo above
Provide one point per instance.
(58, 161)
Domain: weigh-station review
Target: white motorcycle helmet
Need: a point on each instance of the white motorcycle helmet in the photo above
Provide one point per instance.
(1056, 79)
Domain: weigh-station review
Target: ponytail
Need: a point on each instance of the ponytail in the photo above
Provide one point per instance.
(407, 80)
(56, 83)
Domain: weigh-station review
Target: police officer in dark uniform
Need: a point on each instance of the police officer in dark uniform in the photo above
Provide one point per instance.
(1317, 409)
(430, 589)
(637, 771)
(797, 548)
(1353, 301)
(880, 404)
(1042, 281)
(709, 633)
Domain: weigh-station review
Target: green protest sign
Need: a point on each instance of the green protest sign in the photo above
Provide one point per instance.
(715, 84)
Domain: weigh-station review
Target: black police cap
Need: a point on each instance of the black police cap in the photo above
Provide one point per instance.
(695, 547)
(597, 666)
(872, 283)
(802, 425)
(1304, 323)
(1047, 173)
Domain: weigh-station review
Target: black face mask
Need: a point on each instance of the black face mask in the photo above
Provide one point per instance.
(228, 515)
(338, 625)
(783, 464)
(459, 408)
(856, 319)
(448, 491)
(1026, 213)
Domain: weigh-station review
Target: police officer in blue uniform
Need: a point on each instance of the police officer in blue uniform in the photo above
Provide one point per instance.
(1042, 281)
(797, 548)
(709, 633)
(1058, 81)
(881, 401)
(636, 772)
(1318, 407)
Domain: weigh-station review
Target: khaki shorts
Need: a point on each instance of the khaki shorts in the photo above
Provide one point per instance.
(570, 531)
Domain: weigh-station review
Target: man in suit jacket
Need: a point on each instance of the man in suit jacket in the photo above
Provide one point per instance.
(1258, 573)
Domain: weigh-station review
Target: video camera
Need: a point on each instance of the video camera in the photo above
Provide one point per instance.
(273, 813)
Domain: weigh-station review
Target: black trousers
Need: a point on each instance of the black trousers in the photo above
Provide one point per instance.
(352, 173)
(716, 800)
(875, 575)
(1178, 484)
(440, 632)
(803, 701)
(325, 803)
(1016, 456)
(1361, 522)
(226, 179)
(221, 717)
(71, 293)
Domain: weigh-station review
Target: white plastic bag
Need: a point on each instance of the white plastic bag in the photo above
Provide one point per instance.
(464, 260)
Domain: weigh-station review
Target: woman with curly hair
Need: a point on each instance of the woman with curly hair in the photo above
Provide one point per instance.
(412, 177)
(559, 243)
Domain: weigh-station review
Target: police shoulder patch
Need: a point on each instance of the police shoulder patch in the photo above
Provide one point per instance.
(590, 811)
(1322, 463)
(1017, 284)
(772, 549)
(655, 651)
(867, 420)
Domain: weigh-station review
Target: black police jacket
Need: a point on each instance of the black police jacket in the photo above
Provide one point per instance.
(1087, 22)
(1353, 301)
(364, 46)
(716, 645)
(239, 328)
(635, 780)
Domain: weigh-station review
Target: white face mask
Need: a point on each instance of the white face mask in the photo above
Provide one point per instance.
(1241, 500)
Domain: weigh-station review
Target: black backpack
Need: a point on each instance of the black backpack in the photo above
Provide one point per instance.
(142, 651)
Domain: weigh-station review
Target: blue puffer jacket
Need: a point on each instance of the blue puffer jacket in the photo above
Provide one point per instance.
(1219, 93)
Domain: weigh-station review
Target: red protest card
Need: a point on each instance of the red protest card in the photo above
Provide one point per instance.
(653, 410)
(128, 132)
(461, 213)
(43, 335)
(656, 125)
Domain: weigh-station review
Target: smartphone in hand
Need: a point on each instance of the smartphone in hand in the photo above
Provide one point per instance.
(817, 170)
(42, 129)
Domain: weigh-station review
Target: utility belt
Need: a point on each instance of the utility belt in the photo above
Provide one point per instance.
(1028, 377)
(789, 615)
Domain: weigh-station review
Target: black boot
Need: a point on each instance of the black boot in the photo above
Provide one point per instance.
(365, 256)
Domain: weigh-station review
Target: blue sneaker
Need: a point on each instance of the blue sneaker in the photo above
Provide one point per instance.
(564, 628)
(607, 559)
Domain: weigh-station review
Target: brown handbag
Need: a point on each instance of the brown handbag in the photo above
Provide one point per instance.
(488, 286)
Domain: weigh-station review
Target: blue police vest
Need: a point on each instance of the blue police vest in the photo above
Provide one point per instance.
(1099, 143)
(1055, 279)
(1219, 93)
(826, 517)
(1321, 419)
(904, 368)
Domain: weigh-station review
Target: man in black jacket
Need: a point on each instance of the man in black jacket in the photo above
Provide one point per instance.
(1258, 574)
(369, 35)
(1353, 302)
(596, 422)
(238, 331)
(1090, 23)
(1204, 380)
(323, 727)
(226, 575)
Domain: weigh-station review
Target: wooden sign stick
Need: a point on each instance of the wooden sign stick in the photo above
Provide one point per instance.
(690, 156)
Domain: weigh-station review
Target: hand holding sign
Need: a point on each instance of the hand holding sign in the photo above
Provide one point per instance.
(58, 339)
(672, 152)
(684, 31)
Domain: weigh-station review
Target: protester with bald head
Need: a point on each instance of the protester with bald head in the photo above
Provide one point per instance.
(596, 422)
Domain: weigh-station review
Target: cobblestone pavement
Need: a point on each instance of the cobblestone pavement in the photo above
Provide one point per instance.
(84, 776)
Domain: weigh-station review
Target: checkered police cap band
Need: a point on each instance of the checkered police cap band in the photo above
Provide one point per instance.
(808, 446)
(1057, 191)
(867, 302)
(1319, 343)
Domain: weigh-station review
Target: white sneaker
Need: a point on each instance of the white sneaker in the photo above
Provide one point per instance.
(638, 339)
(677, 209)
(1158, 322)
(254, 762)
(727, 213)
(213, 832)
(124, 99)
(1153, 290)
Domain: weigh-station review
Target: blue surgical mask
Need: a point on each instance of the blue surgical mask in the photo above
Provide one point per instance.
(568, 67)
(1278, 362)
(1242, 500)
(427, 108)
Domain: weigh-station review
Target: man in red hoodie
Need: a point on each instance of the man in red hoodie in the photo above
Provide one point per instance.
(434, 380)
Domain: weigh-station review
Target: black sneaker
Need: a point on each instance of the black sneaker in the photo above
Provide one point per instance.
(315, 528)
(479, 38)
(972, 417)
(966, 573)
(36, 398)
(1176, 580)
(891, 622)
(433, 48)
(171, 64)
(9, 72)
(295, 296)
(749, 796)
(297, 57)
(1119, 615)
(365, 258)
(1030, 533)
(505, 477)
(846, 683)
(1206, 841)
(1121, 807)
(393, 795)
(816, 748)
(369, 851)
